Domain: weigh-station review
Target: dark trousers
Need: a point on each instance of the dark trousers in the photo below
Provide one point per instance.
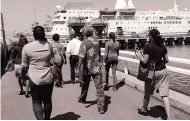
(99, 89)
(42, 95)
(73, 64)
(111, 61)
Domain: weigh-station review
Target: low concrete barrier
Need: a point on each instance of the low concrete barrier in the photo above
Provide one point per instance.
(177, 100)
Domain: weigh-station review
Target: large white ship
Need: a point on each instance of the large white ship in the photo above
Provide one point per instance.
(123, 19)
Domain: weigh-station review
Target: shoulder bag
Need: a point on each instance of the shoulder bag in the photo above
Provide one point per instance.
(146, 71)
(55, 71)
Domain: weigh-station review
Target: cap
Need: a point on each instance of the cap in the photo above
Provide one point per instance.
(88, 30)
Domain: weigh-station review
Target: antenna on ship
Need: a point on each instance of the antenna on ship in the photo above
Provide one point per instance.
(34, 15)
(175, 7)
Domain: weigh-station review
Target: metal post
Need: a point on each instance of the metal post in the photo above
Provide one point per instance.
(3, 33)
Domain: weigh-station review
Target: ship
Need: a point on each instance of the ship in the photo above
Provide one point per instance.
(124, 19)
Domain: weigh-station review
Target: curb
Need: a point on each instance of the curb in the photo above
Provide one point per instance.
(177, 100)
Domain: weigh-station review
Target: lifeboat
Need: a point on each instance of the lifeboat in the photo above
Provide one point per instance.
(76, 23)
(99, 26)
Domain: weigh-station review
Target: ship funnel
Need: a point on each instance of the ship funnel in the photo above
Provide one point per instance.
(130, 4)
(121, 4)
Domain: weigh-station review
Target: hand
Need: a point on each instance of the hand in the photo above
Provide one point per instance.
(104, 63)
(136, 49)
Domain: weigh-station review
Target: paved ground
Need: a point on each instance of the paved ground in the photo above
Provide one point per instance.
(122, 104)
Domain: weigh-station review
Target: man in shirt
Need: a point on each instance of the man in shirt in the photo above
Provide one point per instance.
(73, 49)
(61, 51)
(89, 55)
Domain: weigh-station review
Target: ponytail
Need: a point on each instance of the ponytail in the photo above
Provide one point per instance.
(112, 36)
(157, 39)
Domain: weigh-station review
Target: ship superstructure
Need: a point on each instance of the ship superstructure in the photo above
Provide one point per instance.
(123, 19)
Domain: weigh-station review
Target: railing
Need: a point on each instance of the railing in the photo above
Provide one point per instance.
(170, 68)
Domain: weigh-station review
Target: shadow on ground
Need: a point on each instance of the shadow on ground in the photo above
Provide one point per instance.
(107, 102)
(67, 116)
(157, 112)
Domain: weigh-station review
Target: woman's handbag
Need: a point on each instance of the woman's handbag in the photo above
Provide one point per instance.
(55, 70)
(142, 72)
(146, 72)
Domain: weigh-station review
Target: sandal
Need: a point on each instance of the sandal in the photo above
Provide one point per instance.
(142, 111)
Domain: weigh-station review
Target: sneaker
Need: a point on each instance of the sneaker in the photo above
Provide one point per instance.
(106, 88)
(81, 101)
(114, 88)
(101, 111)
(21, 92)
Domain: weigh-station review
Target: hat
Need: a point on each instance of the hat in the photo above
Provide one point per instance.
(88, 31)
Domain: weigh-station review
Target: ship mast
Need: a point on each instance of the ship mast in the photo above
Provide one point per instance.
(175, 6)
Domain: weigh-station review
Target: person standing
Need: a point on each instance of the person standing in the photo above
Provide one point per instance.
(89, 54)
(111, 59)
(61, 51)
(17, 57)
(36, 60)
(156, 52)
(73, 49)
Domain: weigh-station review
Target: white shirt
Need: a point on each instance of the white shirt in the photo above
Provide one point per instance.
(36, 57)
(73, 46)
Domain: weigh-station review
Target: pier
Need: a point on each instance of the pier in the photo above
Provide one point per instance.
(130, 42)
(122, 104)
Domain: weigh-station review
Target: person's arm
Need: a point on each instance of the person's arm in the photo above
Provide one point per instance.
(106, 52)
(25, 62)
(166, 59)
(118, 49)
(68, 48)
(143, 58)
(13, 54)
(64, 55)
(57, 56)
(82, 53)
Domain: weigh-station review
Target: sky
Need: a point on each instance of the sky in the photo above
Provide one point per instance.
(19, 14)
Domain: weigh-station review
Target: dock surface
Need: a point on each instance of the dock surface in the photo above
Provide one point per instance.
(122, 104)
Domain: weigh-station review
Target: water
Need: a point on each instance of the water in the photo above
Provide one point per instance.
(180, 51)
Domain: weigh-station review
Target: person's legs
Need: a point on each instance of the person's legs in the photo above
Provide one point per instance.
(36, 100)
(164, 90)
(21, 86)
(72, 65)
(107, 68)
(167, 106)
(148, 89)
(84, 88)
(27, 88)
(114, 68)
(100, 93)
(146, 101)
(47, 100)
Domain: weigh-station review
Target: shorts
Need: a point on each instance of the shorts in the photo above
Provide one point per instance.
(160, 83)
(111, 60)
